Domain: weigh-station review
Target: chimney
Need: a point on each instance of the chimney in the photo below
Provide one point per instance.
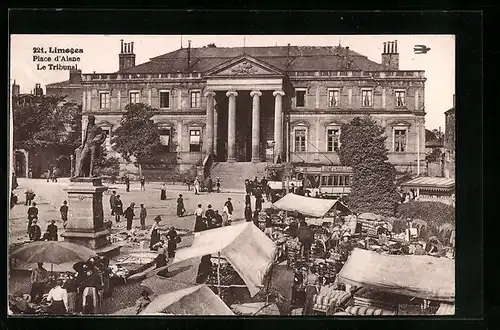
(16, 89)
(390, 56)
(38, 90)
(75, 77)
(188, 59)
(126, 58)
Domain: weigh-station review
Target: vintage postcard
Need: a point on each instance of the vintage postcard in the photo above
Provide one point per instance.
(232, 175)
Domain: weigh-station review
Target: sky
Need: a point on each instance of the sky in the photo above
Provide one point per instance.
(100, 54)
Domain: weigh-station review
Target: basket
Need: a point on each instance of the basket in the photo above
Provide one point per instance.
(368, 311)
(335, 298)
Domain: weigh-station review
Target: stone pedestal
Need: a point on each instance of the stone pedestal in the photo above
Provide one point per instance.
(86, 218)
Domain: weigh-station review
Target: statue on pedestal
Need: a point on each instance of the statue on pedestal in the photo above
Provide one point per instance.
(88, 152)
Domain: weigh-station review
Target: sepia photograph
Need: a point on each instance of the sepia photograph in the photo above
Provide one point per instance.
(232, 175)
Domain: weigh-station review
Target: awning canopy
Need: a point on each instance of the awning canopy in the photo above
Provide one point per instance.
(314, 207)
(431, 183)
(196, 300)
(423, 277)
(247, 248)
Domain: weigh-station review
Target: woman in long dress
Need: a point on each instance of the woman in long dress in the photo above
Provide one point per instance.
(180, 206)
(155, 234)
(163, 193)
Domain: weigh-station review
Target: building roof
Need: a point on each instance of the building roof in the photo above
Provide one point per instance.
(299, 58)
(450, 110)
(435, 143)
(431, 182)
(62, 84)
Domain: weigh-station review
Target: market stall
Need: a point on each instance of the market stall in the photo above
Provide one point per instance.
(245, 248)
(196, 300)
(418, 279)
(308, 206)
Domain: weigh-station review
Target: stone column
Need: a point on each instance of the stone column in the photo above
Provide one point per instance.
(209, 146)
(231, 127)
(216, 126)
(255, 125)
(278, 123)
(84, 100)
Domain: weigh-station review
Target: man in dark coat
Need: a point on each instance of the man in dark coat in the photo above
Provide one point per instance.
(306, 237)
(52, 231)
(34, 231)
(112, 202)
(258, 198)
(247, 198)
(127, 183)
(32, 214)
(210, 215)
(248, 213)
(129, 215)
(217, 219)
(63, 210)
(173, 240)
(210, 185)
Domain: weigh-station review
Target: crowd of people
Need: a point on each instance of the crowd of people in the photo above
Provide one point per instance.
(78, 292)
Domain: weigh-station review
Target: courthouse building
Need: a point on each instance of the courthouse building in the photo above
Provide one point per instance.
(257, 104)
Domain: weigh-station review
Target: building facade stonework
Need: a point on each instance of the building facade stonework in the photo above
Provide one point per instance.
(449, 142)
(258, 104)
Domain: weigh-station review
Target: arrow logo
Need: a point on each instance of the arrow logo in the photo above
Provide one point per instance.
(421, 49)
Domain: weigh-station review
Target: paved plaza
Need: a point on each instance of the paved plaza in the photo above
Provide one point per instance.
(50, 195)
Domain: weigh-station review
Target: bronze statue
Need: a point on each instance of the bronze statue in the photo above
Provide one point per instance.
(93, 137)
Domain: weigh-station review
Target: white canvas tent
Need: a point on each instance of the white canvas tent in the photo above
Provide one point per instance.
(418, 276)
(314, 207)
(196, 300)
(249, 251)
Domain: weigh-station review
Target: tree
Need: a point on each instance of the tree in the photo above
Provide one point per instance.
(373, 187)
(137, 136)
(47, 125)
(106, 165)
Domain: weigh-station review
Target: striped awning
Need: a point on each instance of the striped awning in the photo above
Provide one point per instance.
(431, 183)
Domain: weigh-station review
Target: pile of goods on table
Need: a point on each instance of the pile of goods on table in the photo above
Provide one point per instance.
(325, 269)
(128, 265)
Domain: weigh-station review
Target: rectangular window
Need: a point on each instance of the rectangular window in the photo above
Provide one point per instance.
(195, 99)
(347, 180)
(330, 180)
(400, 140)
(300, 140)
(324, 180)
(194, 140)
(333, 139)
(333, 98)
(134, 97)
(104, 100)
(400, 99)
(300, 98)
(164, 99)
(165, 137)
(366, 98)
(335, 180)
(341, 180)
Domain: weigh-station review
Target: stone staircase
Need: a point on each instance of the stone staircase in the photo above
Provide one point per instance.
(232, 175)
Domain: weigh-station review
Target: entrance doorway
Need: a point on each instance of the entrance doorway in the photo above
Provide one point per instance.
(244, 124)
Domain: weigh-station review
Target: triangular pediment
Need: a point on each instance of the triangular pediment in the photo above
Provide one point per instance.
(244, 66)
